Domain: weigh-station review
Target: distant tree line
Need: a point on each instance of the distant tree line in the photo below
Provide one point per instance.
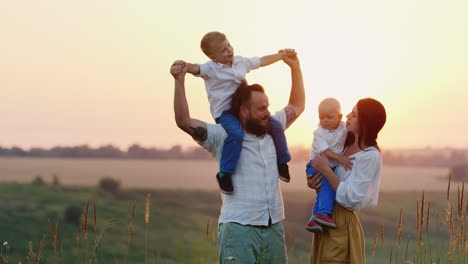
(426, 157)
(135, 151)
(422, 157)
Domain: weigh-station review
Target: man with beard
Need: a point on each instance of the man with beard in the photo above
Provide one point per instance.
(249, 226)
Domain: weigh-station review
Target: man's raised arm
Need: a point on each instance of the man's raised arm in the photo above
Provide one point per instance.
(296, 103)
(195, 128)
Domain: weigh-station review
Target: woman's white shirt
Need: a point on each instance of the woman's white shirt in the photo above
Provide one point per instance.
(359, 187)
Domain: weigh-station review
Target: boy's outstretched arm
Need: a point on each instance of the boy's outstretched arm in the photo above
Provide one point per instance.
(188, 67)
(270, 59)
(192, 68)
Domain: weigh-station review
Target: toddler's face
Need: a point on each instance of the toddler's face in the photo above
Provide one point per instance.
(329, 118)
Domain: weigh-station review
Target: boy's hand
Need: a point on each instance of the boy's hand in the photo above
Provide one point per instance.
(178, 69)
(346, 162)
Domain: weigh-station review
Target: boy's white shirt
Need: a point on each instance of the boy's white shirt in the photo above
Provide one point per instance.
(329, 139)
(222, 81)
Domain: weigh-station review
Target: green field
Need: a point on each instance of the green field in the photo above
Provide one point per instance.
(182, 226)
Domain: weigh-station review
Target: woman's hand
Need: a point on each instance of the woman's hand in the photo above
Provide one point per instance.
(320, 163)
(314, 181)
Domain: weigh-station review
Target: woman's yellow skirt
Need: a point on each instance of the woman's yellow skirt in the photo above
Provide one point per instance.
(345, 244)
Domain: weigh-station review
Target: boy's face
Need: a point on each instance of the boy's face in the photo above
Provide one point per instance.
(222, 52)
(330, 117)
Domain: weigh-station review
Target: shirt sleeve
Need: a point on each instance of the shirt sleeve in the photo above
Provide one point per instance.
(360, 189)
(252, 63)
(281, 117)
(215, 139)
(205, 70)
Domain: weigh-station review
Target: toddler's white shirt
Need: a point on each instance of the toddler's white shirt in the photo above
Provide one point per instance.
(222, 81)
(329, 139)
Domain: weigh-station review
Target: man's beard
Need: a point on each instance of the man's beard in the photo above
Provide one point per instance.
(254, 127)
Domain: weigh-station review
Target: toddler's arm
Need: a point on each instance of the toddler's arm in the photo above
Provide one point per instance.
(193, 68)
(270, 59)
(344, 160)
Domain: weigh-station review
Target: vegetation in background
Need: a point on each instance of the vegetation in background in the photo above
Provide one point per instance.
(49, 223)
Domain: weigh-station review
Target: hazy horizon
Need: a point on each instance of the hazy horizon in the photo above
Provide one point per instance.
(97, 73)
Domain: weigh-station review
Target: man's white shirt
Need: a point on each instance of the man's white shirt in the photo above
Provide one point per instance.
(257, 195)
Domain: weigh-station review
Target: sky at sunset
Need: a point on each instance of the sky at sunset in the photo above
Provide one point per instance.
(97, 72)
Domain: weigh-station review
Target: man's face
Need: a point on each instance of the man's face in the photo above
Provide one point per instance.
(256, 114)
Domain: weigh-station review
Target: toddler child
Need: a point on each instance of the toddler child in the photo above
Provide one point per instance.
(329, 139)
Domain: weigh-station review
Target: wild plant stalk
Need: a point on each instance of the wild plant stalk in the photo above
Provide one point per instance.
(52, 236)
(208, 227)
(427, 218)
(94, 215)
(147, 215)
(130, 230)
(382, 231)
(98, 239)
(406, 251)
(85, 231)
(374, 244)
(213, 230)
(461, 199)
(57, 237)
(35, 256)
(86, 221)
(391, 255)
(293, 239)
(448, 187)
(417, 214)
(400, 226)
(421, 223)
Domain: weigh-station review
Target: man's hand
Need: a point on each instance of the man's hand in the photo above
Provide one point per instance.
(178, 69)
(290, 57)
(288, 53)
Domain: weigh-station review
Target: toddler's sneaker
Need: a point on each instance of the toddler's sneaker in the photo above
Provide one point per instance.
(314, 227)
(283, 170)
(325, 220)
(225, 182)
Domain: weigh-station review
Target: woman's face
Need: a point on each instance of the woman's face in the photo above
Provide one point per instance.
(352, 124)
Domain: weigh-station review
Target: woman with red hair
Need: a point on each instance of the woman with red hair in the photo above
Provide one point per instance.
(356, 189)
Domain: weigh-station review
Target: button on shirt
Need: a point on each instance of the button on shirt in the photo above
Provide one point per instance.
(329, 139)
(257, 195)
(359, 187)
(222, 81)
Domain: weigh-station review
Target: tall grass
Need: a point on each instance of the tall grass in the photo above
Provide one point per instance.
(436, 239)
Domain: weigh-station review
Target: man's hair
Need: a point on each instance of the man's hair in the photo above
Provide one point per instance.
(209, 39)
(242, 96)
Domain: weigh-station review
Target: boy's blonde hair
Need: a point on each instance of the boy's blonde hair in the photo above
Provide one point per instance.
(208, 40)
